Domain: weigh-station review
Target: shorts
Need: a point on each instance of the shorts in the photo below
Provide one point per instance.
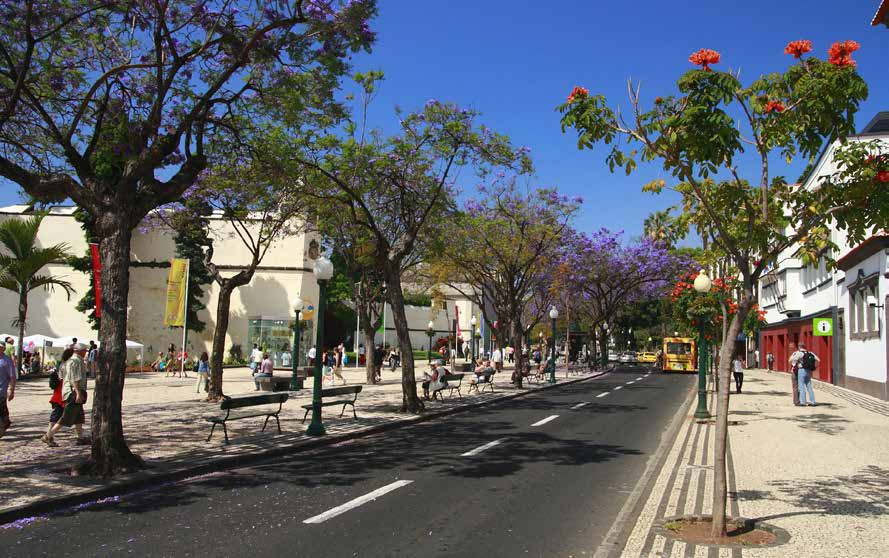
(56, 413)
(4, 413)
(73, 413)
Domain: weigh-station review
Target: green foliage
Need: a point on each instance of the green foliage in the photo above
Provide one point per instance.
(191, 240)
(417, 299)
(84, 264)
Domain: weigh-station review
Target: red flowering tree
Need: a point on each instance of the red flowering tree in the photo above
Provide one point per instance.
(748, 215)
(692, 309)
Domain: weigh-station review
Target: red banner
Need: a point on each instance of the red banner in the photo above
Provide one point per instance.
(457, 310)
(97, 277)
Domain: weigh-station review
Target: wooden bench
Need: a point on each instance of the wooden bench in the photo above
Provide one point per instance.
(486, 381)
(230, 403)
(275, 383)
(452, 384)
(337, 392)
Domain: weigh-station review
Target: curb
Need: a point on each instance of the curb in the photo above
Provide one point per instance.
(143, 480)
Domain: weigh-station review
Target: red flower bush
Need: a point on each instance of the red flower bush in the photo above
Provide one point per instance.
(773, 105)
(704, 57)
(798, 48)
(883, 176)
(840, 53)
(578, 93)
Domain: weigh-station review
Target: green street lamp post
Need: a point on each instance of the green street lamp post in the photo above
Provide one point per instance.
(702, 285)
(323, 270)
(430, 331)
(553, 314)
(297, 307)
(472, 323)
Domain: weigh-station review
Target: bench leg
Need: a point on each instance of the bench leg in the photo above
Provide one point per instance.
(266, 423)
(225, 431)
(354, 414)
(278, 421)
(305, 415)
(211, 431)
(343, 410)
(460, 395)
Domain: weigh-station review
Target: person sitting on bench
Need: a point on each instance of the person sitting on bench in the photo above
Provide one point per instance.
(484, 371)
(266, 370)
(432, 381)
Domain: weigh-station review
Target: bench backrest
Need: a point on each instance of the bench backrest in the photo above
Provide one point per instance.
(344, 390)
(452, 377)
(253, 400)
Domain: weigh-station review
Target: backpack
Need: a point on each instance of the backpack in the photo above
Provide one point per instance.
(54, 380)
(808, 361)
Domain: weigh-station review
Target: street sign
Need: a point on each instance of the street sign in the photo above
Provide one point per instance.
(822, 327)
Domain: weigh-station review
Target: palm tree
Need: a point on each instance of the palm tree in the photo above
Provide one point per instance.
(20, 264)
(659, 227)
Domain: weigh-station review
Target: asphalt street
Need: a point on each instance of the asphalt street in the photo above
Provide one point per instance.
(541, 475)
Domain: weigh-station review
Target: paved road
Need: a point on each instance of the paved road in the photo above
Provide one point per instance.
(543, 475)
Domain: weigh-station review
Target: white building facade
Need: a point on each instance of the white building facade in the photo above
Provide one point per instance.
(853, 296)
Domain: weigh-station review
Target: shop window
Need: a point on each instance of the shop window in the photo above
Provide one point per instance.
(864, 322)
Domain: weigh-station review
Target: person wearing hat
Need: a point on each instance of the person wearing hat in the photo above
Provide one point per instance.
(7, 387)
(74, 394)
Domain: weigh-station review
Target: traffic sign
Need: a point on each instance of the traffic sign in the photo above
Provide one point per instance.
(822, 327)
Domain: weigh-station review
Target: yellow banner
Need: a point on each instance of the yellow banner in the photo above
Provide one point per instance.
(177, 284)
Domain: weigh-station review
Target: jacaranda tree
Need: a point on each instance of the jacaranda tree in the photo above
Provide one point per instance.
(751, 216)
(110, 104)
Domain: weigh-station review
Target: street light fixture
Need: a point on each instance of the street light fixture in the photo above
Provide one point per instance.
(297, 307)
(323, 270)
(430, 331)
(553, 314)
(473, 322)
(702, 285)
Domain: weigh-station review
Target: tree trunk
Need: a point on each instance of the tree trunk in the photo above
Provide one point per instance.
(110, 454)
(603, 336)
(217, 353)
(23, 315)
(369, 346)
(410, 402)
(515, 334)
(722, 402)
(591, 345)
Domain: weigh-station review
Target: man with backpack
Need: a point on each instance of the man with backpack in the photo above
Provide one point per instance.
(805, 363)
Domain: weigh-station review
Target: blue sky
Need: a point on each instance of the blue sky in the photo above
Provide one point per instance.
(515, 60)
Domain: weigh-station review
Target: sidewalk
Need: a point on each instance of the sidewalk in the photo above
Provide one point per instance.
(164, 423)
(820, 473)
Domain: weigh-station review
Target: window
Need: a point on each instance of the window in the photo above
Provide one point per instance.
(864, 322)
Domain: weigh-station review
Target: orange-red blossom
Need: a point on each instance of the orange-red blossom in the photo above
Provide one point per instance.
(840, 53)
(773, 105)
(704, 57)
(578, 93)
(798, 48)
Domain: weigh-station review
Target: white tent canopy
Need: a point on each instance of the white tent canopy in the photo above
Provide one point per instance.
(45, 341)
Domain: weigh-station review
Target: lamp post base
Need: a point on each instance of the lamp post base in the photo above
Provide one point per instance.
(315, 429)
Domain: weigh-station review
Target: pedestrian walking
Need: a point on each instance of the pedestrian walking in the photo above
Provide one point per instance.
(378, 363)
(338, 355)
(770, 360)
(7, 387)
(265, 371)
(806, 362)
(738, 372)
(255, 359)
(510, 352)
(756, 358)
(466, 350)
(310, 356)
(92, 357)
(56, 401)
(74, 394)
(497, 359)
(203, 372)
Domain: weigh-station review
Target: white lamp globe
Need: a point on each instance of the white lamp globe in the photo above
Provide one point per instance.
(553, 313)
(430, 325)
(323, 269)
(298, 304)
(473, 321)
(702, 282)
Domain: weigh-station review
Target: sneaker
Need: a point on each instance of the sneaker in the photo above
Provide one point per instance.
(48, 441)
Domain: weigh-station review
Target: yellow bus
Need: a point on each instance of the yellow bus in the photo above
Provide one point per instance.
(679, 355)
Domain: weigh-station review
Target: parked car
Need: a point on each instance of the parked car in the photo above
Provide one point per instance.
(647, 357)
(628, 357)
(613, 356)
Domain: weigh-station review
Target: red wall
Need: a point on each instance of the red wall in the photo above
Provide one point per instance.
(777, 340)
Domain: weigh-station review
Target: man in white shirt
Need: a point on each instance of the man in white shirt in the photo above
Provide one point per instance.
(805, 362)
(255, 358)
(497, 359)
(311, 356)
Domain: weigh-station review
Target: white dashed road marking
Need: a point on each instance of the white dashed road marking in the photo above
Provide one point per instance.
(481, 448)
(631, 382)
(640, 378)
(361, 500)
(603, 394)
(579, 405)
(546, 420)
(618, 387)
